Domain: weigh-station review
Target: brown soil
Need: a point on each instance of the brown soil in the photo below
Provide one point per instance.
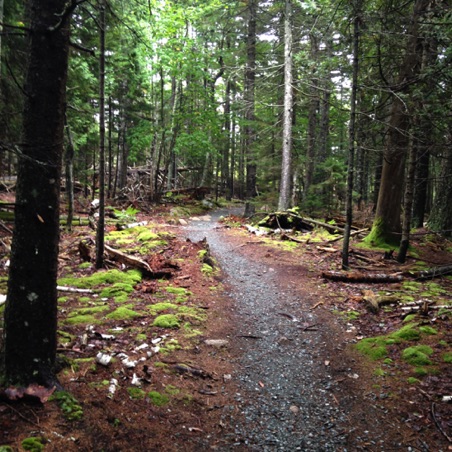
(197, 377)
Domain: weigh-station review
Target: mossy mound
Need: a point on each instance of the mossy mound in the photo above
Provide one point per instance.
(72, 411)
(418, 355)
(166, 321)
(119, 291)
(373, 347)
(98, 279)
(33, 444)
(123, 313)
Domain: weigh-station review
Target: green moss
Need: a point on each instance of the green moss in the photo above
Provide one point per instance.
(166, 321)
(119, 291)
(160, 365)
(172, 390)
(141, 337)
(72, 411)
(123, 313)
(163, 306)
(84, 265)
(412, 380)
(427, 330)
(388, 361)
(373, 347)
(418, 355)
(170, 346)
(62, 300)
(82, 320)
(178, 290)
(136, 393)
(207, 269)
(146, 235)
(33, 444)
(407, 333)
(158, 399)
(100, 278)
(6, 449)
(447, 357)
(64, 337)
(412, 286)
(91, 310)
(379, 372)
(409, 318)
(421, 371)
(192, 313)
(377, 237)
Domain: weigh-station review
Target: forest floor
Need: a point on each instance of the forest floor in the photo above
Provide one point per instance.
(174, 361)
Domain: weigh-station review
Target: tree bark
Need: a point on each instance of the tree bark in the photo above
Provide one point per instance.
(387, 218)
(286, 165)
(351, 135)
(249, 95)
(31, 308)
(100, 231)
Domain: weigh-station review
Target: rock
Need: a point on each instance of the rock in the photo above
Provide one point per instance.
(183, 222)
(216, 342)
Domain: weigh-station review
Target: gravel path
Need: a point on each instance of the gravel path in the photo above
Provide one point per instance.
(286, 400)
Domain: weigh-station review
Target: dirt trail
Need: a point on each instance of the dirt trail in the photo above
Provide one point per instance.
(298, 388)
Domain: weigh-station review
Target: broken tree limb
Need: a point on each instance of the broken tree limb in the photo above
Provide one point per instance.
(431, 272)
(125, 259)
(356, 277)
(336, 239)
(73, 289)
(374, 301)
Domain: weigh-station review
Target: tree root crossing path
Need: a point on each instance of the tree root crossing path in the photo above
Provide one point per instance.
(296, 385)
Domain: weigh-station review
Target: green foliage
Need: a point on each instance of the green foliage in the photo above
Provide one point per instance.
(447, 357)
(72, 411)
(126, 216)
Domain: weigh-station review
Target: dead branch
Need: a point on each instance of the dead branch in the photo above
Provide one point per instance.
(352, 234)
(356, 277)
(73, 289)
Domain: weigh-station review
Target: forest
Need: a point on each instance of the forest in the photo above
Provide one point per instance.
(320, 108)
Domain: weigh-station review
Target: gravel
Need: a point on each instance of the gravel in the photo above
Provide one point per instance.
(286, 399)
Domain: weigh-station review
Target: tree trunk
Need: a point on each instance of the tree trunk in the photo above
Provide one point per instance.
(100, 231)
(441, 215)
(407, 206)
(249, 95)
(351, 134)
(286, 165)
(386, 227)
(313, 111)
(69, 173)
(31, 309)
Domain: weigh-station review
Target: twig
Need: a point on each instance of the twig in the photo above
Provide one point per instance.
(22, 416)
(316, 305)
(438, 424)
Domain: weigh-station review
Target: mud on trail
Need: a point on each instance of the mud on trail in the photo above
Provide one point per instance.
(272, 369)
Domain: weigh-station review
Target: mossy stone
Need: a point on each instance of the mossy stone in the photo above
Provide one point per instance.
(407, 333)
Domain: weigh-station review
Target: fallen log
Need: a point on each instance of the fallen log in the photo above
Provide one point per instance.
(374, 301)
(357, 277)
(431, 272)
(359, 231)
(134, 262)
(125, 259)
